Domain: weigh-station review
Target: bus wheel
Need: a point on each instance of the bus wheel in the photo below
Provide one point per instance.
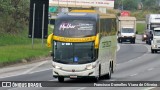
(155, 51)
(108, 76)
(99, 75)
(112, 68)
(61, 79)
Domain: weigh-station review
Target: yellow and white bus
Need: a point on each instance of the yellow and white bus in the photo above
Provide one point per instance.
(84, 45)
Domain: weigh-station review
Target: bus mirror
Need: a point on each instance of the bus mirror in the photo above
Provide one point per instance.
(49, 40)
(97, 41)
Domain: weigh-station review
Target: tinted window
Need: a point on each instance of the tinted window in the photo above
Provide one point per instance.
(72, 53)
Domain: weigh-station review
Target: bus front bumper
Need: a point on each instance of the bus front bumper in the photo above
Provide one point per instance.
(74, 74)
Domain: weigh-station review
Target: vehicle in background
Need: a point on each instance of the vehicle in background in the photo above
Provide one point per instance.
(84, 45)
(126, 29)
(125, 13)
(144, 36)
(155, 43)
(152, 21)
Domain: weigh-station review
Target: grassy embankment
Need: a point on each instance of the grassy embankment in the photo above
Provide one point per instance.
(17, 47)
(140, 28)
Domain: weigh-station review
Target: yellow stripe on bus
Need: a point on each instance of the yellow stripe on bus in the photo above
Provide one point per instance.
(66, 39)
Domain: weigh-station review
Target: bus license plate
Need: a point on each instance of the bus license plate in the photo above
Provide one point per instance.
(73, 76)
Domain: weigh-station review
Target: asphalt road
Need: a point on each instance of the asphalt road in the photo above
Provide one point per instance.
(134, 63)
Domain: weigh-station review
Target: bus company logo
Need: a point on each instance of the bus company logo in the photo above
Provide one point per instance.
(73, 70)
(6, 84)
(64, 26)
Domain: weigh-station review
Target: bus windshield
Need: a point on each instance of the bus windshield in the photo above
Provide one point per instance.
(73, 53)
(75, 28)
(127, 30)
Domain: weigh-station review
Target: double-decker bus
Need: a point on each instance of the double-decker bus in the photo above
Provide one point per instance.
(83, 45)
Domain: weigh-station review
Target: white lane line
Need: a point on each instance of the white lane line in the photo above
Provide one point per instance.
(29, 70)
(133, 74)
(23, 74)
(150, 88)
(81, 88)
(40, 71)
(55, 79)
(112, 80)
(118, 47)
(150, 69)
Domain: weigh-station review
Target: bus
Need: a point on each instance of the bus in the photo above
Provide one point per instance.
(84, 45)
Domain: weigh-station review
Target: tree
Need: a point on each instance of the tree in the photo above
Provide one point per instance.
(126, 4)
(150, 4)
(14, 15)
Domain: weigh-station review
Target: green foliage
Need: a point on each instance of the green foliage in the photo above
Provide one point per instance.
(140, 28)
(14, 15)
(15, 47)
(133, 4)
(126, 4)
(130, 4)
(15, 53)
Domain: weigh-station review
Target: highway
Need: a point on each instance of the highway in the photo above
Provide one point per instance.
(134, 63)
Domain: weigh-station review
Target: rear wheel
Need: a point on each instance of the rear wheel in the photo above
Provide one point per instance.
(61, 79)
(108, 76)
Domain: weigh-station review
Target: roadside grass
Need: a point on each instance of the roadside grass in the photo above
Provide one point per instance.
(16, 47)
(140, 28)
(16, 53)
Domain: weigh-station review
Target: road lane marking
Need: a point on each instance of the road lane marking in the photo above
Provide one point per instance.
(133, 74)
(39, 71)
(150, 88)
(150, 69)
(135, 58)
(29, 70)
(81, 88)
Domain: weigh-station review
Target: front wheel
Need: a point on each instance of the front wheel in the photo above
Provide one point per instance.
(61, 79)
(155, 51)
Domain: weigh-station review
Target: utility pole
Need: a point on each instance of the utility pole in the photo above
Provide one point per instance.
(122, 4)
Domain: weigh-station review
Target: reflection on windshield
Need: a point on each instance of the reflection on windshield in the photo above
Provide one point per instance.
(73, 52)
(157, 32)
(127, 30)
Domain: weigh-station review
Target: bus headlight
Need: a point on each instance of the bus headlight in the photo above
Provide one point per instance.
(155, 46)
(90, 66)
(57, 67)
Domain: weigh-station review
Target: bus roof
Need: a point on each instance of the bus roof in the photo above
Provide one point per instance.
(102, 15)
(76, 15)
